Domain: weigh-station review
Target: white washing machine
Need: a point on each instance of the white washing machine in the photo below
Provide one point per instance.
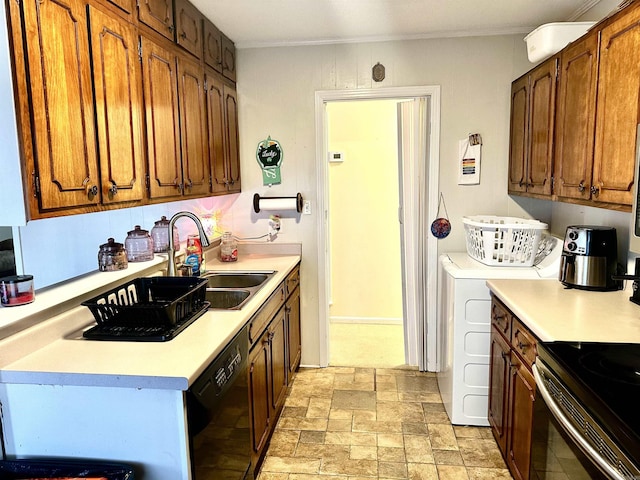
(464, 328)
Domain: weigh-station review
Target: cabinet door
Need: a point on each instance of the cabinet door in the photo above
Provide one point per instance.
(212, 46)
(521, 398)
(575, 118)
(279, 366)
(518, 139)
(542, 92)
(259, 391)
(228, 58)
(499, 388)
(163, 133)
(118, 95)
(193, 127)
(216, 128)
(157, 14)
(292, 311)
(62, 103)
(617, 114)
(189, 27)
(233, 142)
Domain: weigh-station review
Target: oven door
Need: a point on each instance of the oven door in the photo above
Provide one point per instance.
(559, 448)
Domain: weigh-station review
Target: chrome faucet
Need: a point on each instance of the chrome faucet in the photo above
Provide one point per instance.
(171, 268)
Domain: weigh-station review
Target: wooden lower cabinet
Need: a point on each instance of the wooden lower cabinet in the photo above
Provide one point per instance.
(274, 357)
(512, 390)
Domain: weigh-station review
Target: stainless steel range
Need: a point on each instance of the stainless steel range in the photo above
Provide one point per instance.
(587, 425)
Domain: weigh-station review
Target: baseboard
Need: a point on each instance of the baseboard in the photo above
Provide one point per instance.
(369, 320)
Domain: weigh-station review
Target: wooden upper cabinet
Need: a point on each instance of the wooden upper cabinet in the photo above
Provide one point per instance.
(212, 46)
(189, 27)
(618, 109)
(157, 14)
(542, 91)
(533, 99)
(233, 142)
(575, 118)
(228, 58)
(66, 163)
(159, 72)
(519, 134)
(222, 123)
(118, 96)
(126, 6)
(193, 127)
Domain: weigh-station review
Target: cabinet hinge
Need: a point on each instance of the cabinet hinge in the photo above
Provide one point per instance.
(140, 49)
(36, 184)
(147, 182)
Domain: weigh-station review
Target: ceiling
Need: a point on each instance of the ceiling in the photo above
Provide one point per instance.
(262, 23)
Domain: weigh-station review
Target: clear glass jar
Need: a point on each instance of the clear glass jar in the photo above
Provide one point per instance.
(16, 290)
(112, 256)
(228, 248)
(160, 235)
(139, 245)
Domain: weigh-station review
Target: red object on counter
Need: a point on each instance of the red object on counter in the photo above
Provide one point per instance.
(16, 290)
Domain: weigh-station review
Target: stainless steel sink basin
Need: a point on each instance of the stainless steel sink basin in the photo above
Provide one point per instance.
(227, 299)
(235, 280)
(231, 290)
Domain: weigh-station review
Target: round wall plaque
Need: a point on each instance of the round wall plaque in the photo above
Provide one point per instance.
(377, 72)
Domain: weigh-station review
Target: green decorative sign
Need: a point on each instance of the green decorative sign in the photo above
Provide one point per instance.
(269, 155)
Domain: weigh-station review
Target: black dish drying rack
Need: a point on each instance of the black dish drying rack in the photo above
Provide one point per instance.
(151, 309)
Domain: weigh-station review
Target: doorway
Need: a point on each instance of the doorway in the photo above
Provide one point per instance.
(366, 303)
(418, 145)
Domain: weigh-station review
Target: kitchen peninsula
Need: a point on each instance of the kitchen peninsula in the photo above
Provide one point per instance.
(64, 396)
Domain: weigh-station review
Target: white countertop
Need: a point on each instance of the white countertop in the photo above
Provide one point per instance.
(556, 313)
(53, 352)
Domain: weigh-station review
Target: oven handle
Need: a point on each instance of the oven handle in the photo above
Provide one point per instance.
(570, 429)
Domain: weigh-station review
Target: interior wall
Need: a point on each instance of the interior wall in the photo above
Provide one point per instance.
(276, 90)
(366, 274)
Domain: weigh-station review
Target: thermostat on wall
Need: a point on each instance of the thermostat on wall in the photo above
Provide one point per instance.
(336, 157)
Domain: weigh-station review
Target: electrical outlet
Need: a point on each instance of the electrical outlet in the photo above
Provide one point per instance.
(274, 227)
(307, 207)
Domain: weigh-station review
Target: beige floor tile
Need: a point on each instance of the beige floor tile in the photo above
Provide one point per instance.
(294, 423)
(351, 438)
(273, 476)
(442, 436)
(339, 425)
(318, 408)
(391, 454)
(480, 453)
(468, 432)
(290, 465)
(376, 426)
(447, 457)
(360, 452)
(283, 443)
(354, 400)
(332, 466)
(409, 428)
(420, 471)
(392, 469)
(450, 472)
(336, 452)
(489, 474)
(311, 436)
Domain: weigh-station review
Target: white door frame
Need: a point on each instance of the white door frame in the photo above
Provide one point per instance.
(432, 170)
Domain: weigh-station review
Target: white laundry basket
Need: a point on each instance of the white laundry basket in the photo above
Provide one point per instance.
(503, 241)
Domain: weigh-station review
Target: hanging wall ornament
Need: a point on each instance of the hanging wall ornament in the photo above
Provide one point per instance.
(269, 155)
(441, 226)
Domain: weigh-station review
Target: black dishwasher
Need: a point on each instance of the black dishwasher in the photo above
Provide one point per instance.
(218, 416)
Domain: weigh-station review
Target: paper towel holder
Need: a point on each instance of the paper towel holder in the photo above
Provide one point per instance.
(257, 198)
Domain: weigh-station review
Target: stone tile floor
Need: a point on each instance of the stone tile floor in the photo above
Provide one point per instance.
(349, 423)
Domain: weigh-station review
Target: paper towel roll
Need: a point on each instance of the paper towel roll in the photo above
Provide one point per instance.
(277, 203)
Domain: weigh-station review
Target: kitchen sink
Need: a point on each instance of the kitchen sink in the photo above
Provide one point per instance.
(227, 299)
(231, 290)
(236, 279)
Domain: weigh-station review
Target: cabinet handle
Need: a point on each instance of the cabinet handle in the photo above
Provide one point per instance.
(595, 191)
(180, 187)
(113, 190)
(183, 35)
(523, 346)
(581, 187)
(92, 192)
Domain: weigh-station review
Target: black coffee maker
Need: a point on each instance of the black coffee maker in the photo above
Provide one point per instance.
(589, 258)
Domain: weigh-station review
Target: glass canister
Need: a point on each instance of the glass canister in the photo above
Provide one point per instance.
(139, 245)
(16, 290)
(160, 235)
(112, 256)
(228, 248)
